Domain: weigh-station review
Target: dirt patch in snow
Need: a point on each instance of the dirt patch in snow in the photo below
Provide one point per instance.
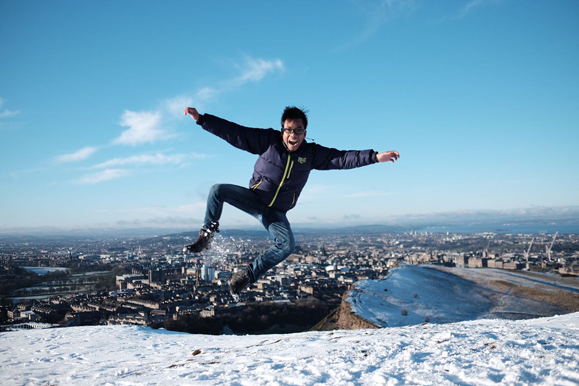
(548, 294)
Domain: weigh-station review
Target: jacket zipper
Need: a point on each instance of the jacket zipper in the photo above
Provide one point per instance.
(285, 174)
(290, 171)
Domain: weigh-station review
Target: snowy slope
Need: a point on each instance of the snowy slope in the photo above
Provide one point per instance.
(411, 295)
(424, 293)
(539, 351)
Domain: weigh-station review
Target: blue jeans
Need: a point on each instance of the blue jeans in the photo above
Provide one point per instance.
(273, 220)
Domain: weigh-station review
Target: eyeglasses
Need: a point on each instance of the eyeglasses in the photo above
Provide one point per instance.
(293, 131)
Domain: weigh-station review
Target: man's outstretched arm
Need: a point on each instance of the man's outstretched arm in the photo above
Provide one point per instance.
(329, 158)
(253, 140)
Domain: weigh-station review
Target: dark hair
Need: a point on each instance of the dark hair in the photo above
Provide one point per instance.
(292, 112)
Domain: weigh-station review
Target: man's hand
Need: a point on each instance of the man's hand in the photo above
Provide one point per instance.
(391, 155)
(193, 112)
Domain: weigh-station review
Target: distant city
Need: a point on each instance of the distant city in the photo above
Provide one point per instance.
(564, 220)
(71, 281)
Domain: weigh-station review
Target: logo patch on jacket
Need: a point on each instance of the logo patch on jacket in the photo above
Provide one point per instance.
(302, 160)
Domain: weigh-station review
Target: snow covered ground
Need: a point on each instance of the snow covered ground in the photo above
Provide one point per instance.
(411, 295)
(480, 352)
(414, 294)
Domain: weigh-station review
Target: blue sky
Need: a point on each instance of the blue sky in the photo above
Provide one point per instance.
(480, 97)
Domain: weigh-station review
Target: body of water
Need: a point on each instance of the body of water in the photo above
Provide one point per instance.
(44, 270)
(502, 228)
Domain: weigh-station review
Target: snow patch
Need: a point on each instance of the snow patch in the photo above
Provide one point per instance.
(413, 295)
(417, 294)
(541, 351)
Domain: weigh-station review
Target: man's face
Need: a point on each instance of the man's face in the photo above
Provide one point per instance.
(293, 139)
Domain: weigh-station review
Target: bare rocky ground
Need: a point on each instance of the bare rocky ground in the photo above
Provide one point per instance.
(524, 294)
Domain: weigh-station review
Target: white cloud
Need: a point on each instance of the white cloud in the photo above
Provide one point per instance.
(151, 159)
(474, 4)
(197, 208)
(80, 155)
(105, 175)
(255, 70)
(7, 113)
(251, 70)
(176, 105)
(205, 94)
(377, 13)
(144, 127)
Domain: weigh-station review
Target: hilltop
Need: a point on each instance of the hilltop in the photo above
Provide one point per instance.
(415, 294)
(538, 351)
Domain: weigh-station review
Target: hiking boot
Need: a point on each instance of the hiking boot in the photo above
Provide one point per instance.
(238, 282)
(203, 241)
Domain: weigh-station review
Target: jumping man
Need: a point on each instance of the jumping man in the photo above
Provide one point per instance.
(279, 175)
